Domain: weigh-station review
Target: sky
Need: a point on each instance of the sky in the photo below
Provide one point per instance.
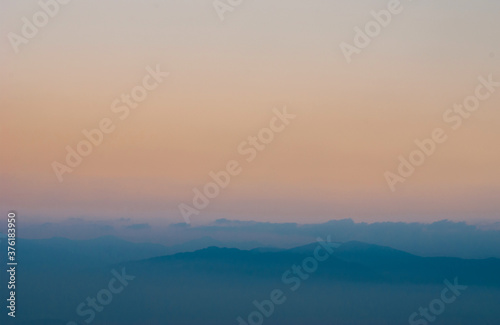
(352, 120)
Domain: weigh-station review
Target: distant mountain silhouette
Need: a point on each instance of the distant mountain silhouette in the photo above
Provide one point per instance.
(441, 238)
(108, 250)
(359, 284)
(206, 241)
(354, 261)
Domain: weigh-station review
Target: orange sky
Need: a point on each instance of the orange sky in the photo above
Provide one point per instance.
(353, 120)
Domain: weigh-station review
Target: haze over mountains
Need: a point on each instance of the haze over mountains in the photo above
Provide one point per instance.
(442, 238)
(375, 274)
(358, 283)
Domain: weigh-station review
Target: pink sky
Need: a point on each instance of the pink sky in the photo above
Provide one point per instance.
(353, 120)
